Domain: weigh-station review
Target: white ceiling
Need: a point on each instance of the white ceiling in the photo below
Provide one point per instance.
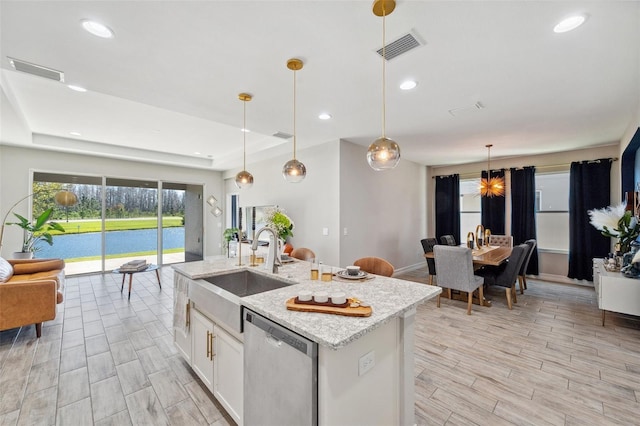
(168, 82)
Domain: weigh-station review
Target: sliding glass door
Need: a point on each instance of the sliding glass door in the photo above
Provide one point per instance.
(116, 220)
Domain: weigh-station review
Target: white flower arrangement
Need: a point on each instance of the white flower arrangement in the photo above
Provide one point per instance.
(277, 219)
(616, 222)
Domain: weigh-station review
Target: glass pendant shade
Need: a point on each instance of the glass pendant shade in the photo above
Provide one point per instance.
(294, 171)
(383, 154)
(244, 180)
(66, 198)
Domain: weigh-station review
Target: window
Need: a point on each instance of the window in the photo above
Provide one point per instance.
(469, 205)
(552, 210)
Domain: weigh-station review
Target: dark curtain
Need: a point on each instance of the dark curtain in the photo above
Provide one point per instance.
(588, 189)
(492, 213)
(523, 211)
(448, 206)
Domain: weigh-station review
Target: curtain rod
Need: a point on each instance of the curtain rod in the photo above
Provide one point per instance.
(548, 166)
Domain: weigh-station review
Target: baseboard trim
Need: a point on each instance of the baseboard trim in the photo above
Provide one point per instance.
(408, 268)
(561, 279)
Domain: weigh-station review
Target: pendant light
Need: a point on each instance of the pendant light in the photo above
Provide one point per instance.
(244, 179)
(383, 153)
(491, 186)
(294, 171)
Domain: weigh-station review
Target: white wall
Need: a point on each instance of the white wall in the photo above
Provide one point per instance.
(312, 204)
(384, 212)
(16, 165)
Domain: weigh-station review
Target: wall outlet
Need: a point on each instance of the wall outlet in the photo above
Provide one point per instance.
(366, 363)
(345, 231)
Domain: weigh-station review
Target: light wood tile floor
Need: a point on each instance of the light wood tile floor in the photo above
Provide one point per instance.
(105, 360)
(547, 362)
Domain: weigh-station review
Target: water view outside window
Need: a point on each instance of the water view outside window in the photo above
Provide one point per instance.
(129, 229)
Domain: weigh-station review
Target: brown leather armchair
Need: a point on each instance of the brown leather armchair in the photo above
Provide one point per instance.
(31, 294)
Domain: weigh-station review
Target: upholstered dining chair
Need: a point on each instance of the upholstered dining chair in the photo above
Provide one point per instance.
(448, 240)
(303, 253)
(427, 246)
(506, 274)
(522, 275)
(375, 265)
(455, 271)
(501, 240)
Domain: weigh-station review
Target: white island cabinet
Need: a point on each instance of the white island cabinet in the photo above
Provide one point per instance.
(365, 364)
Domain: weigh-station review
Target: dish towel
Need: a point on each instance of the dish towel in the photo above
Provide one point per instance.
(180, 300)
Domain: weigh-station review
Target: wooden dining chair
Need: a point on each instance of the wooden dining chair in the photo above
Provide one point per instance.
(501, 240)
(303, 253)
(375, 265)
(427, 246)
(506, 274)
(448, 240)
(522, 275)
(455, 271)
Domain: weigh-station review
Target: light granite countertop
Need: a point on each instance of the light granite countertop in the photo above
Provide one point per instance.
(388, 298)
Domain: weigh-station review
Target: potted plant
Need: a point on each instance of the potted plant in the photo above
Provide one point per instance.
(35, 232)
(230, 234)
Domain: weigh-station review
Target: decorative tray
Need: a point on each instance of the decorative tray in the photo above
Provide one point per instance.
(294, 304)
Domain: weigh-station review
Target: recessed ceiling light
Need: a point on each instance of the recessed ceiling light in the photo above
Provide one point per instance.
(97, 29)
(75, 133)
(76, 88)
(324, 116)
(245, 130)
(570, 23)
(196, 153)
(408, 85)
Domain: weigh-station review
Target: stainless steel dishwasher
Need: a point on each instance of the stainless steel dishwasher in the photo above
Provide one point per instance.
(280, 374)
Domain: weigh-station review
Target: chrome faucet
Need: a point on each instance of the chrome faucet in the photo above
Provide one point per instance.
(273, 260)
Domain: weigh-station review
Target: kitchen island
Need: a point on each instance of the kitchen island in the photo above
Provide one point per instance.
(364, 364)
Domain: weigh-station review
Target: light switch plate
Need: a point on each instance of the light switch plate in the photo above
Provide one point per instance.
(325, 231)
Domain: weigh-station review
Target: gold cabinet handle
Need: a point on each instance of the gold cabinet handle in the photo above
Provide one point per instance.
(208, 344)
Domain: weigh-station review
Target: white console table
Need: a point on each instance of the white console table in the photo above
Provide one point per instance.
(614, 291)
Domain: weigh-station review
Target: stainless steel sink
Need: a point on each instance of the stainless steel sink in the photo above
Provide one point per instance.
(246, 283)
(219, 296)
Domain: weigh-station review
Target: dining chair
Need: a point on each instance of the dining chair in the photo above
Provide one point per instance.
(303, 253)
(375, 265)
(522, 274)
(427, 246)
(448, 240)
(506, 274)
(501, 240)
(455, 271)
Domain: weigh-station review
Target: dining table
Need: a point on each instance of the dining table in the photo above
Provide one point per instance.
(482, 256)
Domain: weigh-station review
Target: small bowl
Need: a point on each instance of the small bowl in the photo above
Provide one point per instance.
(304, 296)
(353, 270)
(338, 298)
(321, 297)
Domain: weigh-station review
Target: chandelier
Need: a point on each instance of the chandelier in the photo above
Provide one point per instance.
(491, 186)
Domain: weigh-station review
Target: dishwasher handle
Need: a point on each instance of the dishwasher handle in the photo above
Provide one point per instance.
(278, 333)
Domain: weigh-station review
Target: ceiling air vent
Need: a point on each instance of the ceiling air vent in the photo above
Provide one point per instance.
(38, 70)
(401, 45)
(282, 135)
